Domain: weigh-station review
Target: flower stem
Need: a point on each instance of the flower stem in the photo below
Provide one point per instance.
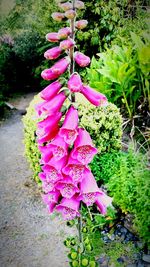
(80, 235)
(72, 26)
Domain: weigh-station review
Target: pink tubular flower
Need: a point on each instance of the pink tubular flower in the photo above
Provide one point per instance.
(51, 90)
(81, 59)
(75, 83)
(48, 128)
(89, 189)
(103, 202)
(67, 188)
(75, 169)
(81, 24)
(58, 16)
(65, 6)
(64, 33)
(46, 186)
(70, 14)
(53, 53)
(53, 169)
(69, 208)
(69, 129)
(66, 44)
(95, 98)
(84, 149)
(58, 147)
(52, 37)
(53, 106)
(46, 153)
(79, 4)
(56, 70)
(51, 199)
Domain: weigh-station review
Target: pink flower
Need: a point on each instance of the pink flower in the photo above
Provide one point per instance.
(65, 6)
(81, 59)
(79, 4)
(95, 98)
(51, 90)
(89, 189)
(58, 16)
(103, 202)
(53, 53)
(46, 186)
(66, 44)
(48, 128)
(46, 153)
(75, 169)
(64, 32)
(57, 148)
(56, 70)
(52, 37)
(81, 24)
(69, 129)
(67, 187)
(51, 199)
(84, 149)
(70, 14)
(53, 169)
(53, 106)
(75, 83)
(69, 208)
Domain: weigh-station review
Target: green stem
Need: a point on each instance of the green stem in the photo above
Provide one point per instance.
(71, 53)
(80, 235)
(127, 106)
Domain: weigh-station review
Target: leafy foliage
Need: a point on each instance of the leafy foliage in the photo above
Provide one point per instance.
(104, 125)
(127, 177)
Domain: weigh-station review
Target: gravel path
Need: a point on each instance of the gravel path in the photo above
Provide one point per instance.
(29, 237)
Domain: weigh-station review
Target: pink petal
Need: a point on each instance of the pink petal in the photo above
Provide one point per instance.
(93, 96)
(75, 83)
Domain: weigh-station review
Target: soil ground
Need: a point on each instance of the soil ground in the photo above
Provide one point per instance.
(29, 236)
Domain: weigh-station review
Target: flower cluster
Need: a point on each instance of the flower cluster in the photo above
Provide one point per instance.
(66, 149)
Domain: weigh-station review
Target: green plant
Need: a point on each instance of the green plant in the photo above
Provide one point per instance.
(127, 178)
(31, 150)
(122, 74)
(104, 125)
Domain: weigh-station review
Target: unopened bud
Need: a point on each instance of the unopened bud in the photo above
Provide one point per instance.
(58, 16)
(70, 14)
(52, 37)
(65, 6)
(67, 44)
(81, 24)
(64, 32)
(79, 4)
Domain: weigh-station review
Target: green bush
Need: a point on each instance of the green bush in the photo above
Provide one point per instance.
(127, 178)
(122, 73)
(31, 150)
(103, 124)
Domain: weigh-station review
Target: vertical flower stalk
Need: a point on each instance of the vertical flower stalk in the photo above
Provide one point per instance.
(66, 149)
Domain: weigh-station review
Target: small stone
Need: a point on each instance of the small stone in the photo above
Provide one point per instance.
(120, 260)
(140, 264)
(139, 244)
(131, 265)
(146, 258)
(123, 230)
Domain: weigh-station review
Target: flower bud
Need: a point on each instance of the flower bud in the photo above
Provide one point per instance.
(58, 16)
(52, 37)
(70, 14)
(65, 6)
(81, 59)
(53, 53)
(67, 44)
(81, 24)
(64, 32)
(79, 4)
(75, 83)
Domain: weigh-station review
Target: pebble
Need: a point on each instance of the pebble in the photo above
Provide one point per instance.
(146, 258)
(131, 265)
(120, 260)
(140, 264)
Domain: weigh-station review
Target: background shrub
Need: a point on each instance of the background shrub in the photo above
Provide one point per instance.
(126, 176)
